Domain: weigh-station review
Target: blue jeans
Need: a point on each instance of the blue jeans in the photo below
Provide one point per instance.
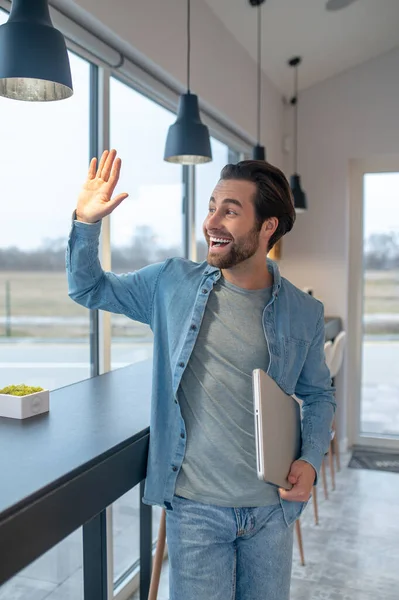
(218, 553)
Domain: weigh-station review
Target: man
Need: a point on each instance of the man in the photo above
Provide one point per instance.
(229, 534)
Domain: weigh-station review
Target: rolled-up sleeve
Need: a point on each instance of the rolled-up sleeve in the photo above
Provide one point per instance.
(130, 294)
(315, 389)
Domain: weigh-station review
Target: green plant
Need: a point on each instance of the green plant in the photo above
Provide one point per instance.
(20, 390)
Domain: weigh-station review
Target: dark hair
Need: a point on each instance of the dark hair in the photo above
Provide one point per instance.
(273, 197)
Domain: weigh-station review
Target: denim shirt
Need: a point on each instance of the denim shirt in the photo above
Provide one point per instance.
(171, 297)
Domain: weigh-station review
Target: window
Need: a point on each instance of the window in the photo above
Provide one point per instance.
(380, 344)
(57, 575)
(44, 336)
(145, 228)
(44, 158)
(206, 177)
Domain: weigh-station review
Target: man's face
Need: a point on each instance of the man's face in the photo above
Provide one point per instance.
(230, 228)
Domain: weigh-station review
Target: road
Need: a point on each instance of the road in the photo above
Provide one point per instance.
(54, 365)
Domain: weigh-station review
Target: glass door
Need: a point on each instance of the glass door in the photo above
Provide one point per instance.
(372, 381)
(379, 410)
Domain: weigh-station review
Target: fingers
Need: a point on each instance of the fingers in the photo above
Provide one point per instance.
(106, 170)
(92, 169)
(118, 199)
(112, 204)
(114, 177)
(295, 494)
(102, 163)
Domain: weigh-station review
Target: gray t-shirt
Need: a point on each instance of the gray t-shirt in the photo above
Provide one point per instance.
(216, 401)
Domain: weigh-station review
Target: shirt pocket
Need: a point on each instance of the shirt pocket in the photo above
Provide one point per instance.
(295, 353)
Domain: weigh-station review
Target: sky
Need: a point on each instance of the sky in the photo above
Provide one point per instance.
(381, 203)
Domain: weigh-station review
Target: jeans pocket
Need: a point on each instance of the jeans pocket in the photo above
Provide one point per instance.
(292, 510)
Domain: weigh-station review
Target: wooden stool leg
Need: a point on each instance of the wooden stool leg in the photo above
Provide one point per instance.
(324, 477)
(332, 468)
(158, 559)
(300, 544)
(315, 505)
(336, 448)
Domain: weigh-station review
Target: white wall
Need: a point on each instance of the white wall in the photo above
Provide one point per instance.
(223, 73)
(353, 115)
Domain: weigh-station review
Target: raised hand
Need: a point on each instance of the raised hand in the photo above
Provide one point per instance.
(95, 199)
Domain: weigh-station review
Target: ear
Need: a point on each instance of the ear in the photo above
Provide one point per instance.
(270, 226)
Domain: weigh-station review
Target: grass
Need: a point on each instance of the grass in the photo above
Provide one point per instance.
(39, 294)
(44, 294)
(381, 292)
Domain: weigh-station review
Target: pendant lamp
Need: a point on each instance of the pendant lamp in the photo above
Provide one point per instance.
(300, 200)
(188, 140)
(258, 152)
(338, 4)
(34, 62)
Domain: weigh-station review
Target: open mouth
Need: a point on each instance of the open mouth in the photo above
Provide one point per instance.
(218, 243)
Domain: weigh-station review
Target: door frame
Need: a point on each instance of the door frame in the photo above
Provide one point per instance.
(357, 169)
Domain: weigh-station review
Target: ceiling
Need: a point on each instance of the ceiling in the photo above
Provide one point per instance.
(328, 42)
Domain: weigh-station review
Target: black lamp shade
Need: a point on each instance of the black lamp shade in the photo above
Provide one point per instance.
(258, 152)
(300, 201)
(34, 62)
(188, 141)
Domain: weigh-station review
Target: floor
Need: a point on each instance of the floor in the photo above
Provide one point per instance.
(353, 554)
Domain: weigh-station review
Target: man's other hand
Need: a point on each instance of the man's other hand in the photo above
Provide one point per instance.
(302, 477)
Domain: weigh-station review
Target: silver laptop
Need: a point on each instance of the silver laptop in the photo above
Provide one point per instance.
(277, 430)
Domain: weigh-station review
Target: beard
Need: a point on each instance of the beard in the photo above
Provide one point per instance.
(239, 250)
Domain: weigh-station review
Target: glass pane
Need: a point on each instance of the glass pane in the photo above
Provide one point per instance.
(206, 177)
(126, 528)
(44, 157)
(380, 377)
(44, 336)
(145, 228)
(57, 575)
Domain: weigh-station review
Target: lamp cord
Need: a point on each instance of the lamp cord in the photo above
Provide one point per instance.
(188, 43)
(296, 121)
(259, 70)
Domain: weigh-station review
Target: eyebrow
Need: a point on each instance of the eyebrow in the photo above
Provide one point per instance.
(227, 201)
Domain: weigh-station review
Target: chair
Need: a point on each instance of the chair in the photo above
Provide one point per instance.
(300, 543)
(158, 559)
(337, 357)
(328, 353)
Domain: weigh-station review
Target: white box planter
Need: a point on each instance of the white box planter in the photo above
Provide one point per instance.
(22, 407)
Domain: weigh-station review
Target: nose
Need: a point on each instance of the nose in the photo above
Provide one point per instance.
(213, 220)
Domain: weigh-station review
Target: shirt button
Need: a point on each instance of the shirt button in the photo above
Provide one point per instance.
(174, 468)
(181, 364)
(193, 327)
(176, 402)
(204, 291)
(182, 435)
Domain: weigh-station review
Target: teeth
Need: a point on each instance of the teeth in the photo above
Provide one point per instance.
(219, 240)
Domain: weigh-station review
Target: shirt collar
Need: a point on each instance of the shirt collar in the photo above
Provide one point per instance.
(272, 268)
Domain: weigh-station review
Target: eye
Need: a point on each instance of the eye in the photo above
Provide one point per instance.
(231, 212)
(211, 210)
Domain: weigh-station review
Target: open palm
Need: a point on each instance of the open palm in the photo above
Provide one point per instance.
(95, 199)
